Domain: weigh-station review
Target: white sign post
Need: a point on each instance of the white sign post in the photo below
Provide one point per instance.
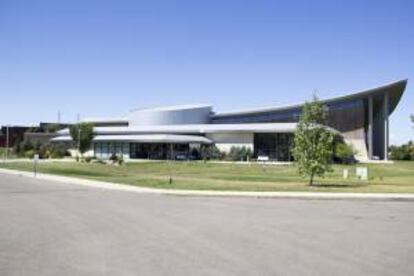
(362, 173)
(36, 161)
(345, 173)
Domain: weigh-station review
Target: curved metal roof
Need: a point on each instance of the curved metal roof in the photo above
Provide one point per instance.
(395, 89)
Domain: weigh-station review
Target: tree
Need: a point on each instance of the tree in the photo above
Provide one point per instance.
(51, 128)
(402, 152)
(313, 142)
(345, 153)
(82, 135)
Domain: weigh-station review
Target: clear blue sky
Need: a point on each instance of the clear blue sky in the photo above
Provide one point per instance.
(102, 58)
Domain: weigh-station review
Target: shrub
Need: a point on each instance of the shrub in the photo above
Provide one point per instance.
(88, 159)
(239, 154)
(213, 153)
(17, 146)
(120, 160)
(403, 152)
(29, 154)
(58, 151)
(344, 153)
(114, 158)
(23, 147)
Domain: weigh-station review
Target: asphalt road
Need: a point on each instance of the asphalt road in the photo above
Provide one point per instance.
(61, 229)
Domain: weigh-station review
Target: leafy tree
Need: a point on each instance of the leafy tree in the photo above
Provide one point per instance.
(313, 142)
(403, 152)
(82, 135)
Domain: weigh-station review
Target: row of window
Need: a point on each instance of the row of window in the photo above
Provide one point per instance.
(105, 149)
(281, 116)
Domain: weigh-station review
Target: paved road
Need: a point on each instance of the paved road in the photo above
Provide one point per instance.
(60, 229)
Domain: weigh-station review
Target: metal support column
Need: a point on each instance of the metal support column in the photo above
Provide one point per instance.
(370, 127)
(386, 125)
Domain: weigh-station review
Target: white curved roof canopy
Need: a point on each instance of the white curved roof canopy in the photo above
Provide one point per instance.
(145, 138)
(193, 128)
(155, 138)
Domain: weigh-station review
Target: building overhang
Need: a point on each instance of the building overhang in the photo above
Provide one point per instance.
(194, 129)
(154, 138)
(395, 91)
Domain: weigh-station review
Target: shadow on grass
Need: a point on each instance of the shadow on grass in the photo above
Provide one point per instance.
(337, 185)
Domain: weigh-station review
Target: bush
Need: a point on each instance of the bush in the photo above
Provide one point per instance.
(239, 154)
(344, 153)
(117, 159)
(403, 152)
(114, 158)
(17, 146)
(120, 160)
(29, 154)
(88, 159)
(211, 152)
(58, 151)
(23, 147)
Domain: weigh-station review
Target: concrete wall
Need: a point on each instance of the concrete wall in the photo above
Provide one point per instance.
(224, 141)
(350, 121)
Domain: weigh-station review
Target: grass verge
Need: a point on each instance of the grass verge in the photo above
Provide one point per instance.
(383, 178)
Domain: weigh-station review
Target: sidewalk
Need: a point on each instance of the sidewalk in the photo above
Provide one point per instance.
(130, 188)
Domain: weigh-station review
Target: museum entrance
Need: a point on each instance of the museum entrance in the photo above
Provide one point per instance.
(276, 146)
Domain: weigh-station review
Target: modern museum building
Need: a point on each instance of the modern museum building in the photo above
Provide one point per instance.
(360, 118)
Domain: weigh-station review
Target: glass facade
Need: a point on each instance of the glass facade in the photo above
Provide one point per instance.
(281, 116)
(276, 146)
(159, 151)
(104, 150)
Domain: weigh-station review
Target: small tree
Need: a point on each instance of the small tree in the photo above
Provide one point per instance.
(313, 142)
(82, 135)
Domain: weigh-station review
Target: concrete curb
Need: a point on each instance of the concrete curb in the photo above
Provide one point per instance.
(293, 195)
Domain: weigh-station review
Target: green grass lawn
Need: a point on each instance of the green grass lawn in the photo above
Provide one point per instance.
(383, 178)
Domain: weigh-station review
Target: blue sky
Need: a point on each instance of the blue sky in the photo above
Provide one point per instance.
(103, 58)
